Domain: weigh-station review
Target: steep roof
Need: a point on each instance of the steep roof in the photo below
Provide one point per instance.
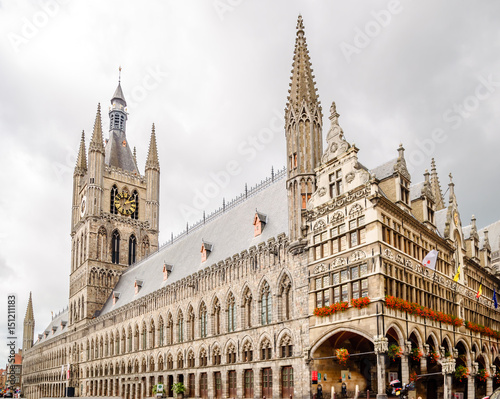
(118, 153)
(229, 233)
(385, 170)
(54, 328)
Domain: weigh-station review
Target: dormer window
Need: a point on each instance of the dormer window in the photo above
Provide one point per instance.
(63, 324)
(167, 269)
(206, 249)
(40, 336)
(54, 329)
(259, 222)
(46, 334)
(405, 191)
(116, 296)
(138, 286)
(430, 212)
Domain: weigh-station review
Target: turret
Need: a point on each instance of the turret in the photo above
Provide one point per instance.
(96, 168)
(153, 183)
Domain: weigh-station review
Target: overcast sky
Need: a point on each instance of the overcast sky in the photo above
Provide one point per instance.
(213, 76)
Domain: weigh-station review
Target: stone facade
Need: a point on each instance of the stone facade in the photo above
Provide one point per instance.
(260, 296)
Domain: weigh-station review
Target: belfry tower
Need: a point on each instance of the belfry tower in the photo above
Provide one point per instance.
(115, 212)
(303, 130)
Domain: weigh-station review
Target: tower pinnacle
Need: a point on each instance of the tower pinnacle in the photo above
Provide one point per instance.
(152, 160)
(302, 87)
(436, 188)
(81, 161)
(96, 143)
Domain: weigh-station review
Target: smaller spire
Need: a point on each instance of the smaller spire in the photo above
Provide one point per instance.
(81, 161)
(152, 160)
(96, 143)
(451, 188)
(29, 310)
(436, 187)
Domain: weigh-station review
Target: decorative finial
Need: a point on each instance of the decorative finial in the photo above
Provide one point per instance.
(119, 74)
(451, 178)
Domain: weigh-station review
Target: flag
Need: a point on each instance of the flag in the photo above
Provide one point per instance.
(430, 259)
(457, 276)
(479, 291)
(495, 302)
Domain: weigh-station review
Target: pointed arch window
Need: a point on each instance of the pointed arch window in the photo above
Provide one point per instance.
(170, 330)
(132, 247)
(266, 304)
(114, 193)
(180, 328)
(135, 198)
(145, 247)
(101, 244)
(115, 247)
(231, 317)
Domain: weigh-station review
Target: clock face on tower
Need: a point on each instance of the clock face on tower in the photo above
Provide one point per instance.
(125, 203)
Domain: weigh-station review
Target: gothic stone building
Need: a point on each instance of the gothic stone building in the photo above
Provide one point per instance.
(256, 299)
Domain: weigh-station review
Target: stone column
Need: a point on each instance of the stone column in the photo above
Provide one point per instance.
(471, 381)
(381, 344)
(489, 381)
(447, 369)
(405, 369)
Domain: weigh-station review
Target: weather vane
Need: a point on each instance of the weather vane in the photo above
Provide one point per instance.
(119, 74)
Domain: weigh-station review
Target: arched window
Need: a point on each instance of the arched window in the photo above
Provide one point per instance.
(152, 330)
(114, 193)
(170, 330)
(266, 304)
(160, 331)
(180, 327)
(144, 336)
(115, 247)
(135, 197)
(203, 357)
(231, 317)
(101, 244)
(145, 247)
(203, 321)
(132, 244)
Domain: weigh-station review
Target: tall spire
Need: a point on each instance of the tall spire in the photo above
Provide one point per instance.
(29, 326)
(303, 86)
(81, 161)
(29, 310)
(96, 143)
(436, 188)
(152, 160)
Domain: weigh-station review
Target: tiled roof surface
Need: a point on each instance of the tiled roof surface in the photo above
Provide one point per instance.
(230, 233)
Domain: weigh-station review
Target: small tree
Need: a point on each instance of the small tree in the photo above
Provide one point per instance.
(178, 388)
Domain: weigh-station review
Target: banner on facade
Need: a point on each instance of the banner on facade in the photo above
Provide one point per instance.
(314, 377)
